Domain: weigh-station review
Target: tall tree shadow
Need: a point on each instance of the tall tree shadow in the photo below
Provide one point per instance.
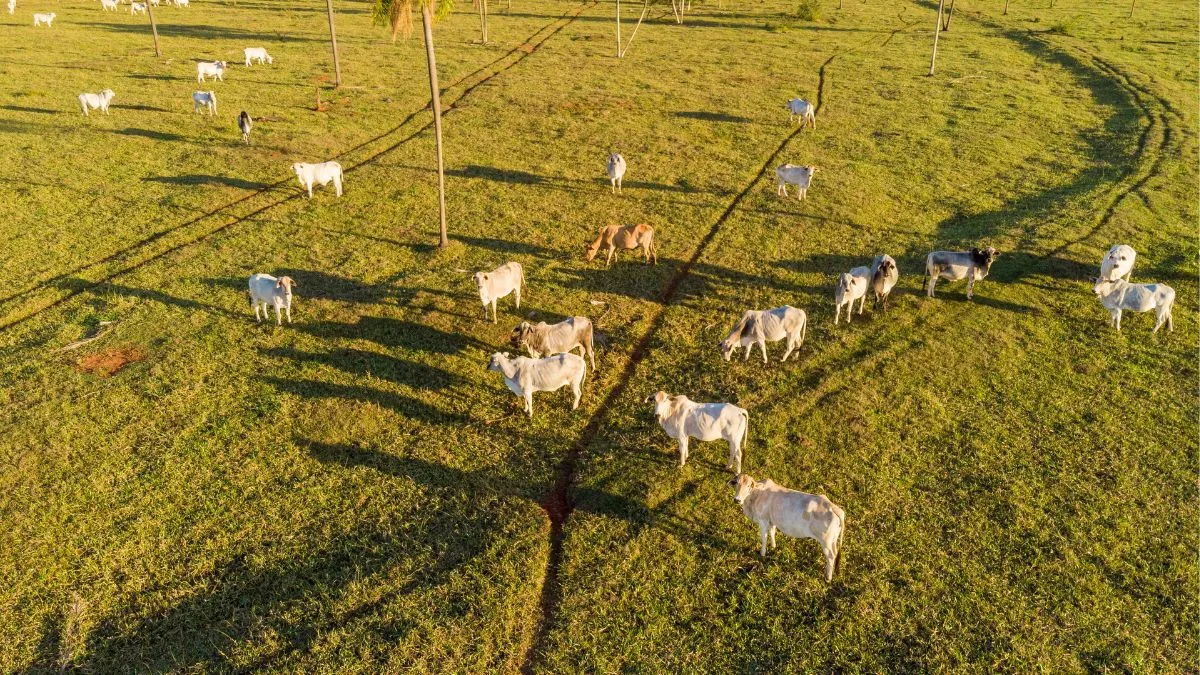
(372, 364)
(203, 179)
(398, 403)
(392, 333)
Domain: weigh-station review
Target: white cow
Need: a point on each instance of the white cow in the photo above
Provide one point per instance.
(1118, 263)
(137, 8)
(505, 279)
(683, 418)
(40, 18)
(616, 170)
(524, 376)
(765, 326)
(257, 54)
(205, 99)
(210, 69)
(797, 514)
(181, 3)
(92, 101)
(790, 174)
(106, 5)
(1121, 295)
(800, 109)
(851, 286)
(12, 6)
(319, 174)
(267, 291)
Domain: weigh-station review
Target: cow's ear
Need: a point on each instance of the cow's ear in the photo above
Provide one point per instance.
(660, 396)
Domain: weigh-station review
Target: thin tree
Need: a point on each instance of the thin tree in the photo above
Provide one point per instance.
(337, 67)
(621, 50)
(398, 15)
(937, 29)
(481, 5)
(153, 29)
(949, 15)
(1005, 7)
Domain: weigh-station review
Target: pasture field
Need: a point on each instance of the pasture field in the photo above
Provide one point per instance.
(354, 492)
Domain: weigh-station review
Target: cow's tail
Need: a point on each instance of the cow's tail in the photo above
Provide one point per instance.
(745, 426)
(837, 510)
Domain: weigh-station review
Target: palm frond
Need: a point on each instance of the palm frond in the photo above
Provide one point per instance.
(398, 14)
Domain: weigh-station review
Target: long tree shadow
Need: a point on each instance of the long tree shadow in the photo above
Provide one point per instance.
(398, 403)
(705, 116)
(372, 364)
(22, 108)
(202, 179)
(155, 296)
(505, 246)
(155, 135)
(318, 285)
(202, 31)
(389, 332)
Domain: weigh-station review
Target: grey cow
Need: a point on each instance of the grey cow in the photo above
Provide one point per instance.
(971, 265)
(765, 326)
(543, 339)
(884, 275)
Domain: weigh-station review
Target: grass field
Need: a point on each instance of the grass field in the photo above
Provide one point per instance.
(356, 493)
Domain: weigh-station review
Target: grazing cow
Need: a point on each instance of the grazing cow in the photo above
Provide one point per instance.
(1118, 263)
(626, 238)
(1117, 295)
(683, 418)
(761, 327)
(267, 291)
(525, 376)
(851, 286)
(43, 18)
(137, 8)
(543, 339)
(244, 123)
(181, 3)
(323, 173)
(205, 99)
(790, 174)
(884, 275)
(12, 6)
(93, 101)
(206, 69)
(505, 279)
(616, 170)
(257, 54)
(800, 109)
(971, 265)
(796, 514)
(106, 5)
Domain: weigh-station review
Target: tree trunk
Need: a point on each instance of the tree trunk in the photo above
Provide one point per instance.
(937, 31)
(436, 100)
(337, 67)
(482, 20)
(1132, 5)
(618, 29)
(1005, 7)
(154, 27)
(949, 16)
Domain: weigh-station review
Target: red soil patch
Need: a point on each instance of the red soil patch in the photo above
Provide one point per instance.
(109, 361)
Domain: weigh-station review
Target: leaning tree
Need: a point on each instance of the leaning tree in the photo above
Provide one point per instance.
(398, 15)
(337, 67)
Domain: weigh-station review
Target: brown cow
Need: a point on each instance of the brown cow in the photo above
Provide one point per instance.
(628, 238)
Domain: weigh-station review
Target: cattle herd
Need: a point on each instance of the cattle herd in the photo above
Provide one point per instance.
(551, 363)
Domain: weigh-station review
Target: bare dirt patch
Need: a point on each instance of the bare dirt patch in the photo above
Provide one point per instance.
(108, 362)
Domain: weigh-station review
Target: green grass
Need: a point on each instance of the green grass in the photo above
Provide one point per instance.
(356, 493)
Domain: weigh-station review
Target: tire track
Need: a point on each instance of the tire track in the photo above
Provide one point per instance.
(492, 70)
(558, 503)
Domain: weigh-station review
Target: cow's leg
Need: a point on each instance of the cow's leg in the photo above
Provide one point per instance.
(837, 313)
(619, 186)
(762, 538)
(932, 283)
(762, 345)
(577, 389)
(772, 533)
(735, 456)
(612, 250)
(830, 551)
(791, 344)
(310, 190)
(278, 318)
(782, 189)
(495, 319)
(289, 312)
(1118, 316)
(256, 314)
(683, 450)
(746, 356)
(1170, 321)
(614, 185)
(337, 184)
(862, 303)
(970, 283)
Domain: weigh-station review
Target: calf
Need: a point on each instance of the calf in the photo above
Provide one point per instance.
(683, 418)
(505, 279)
(244, 123)
(800, 109)
(616, 171)
(797, 514)
(206, 69)
(627, 238)
(205, 99)
(137, 8)
(267, 291)
(851, 286)
(955, 265)
(107, 5)
(765, 326)
(790, 174)
(92, 101)
(323, 173)
(1118, 295)
(543, 339)
(1117, 263)
(525, 376)
(257, 54)
(40, 18)
(884, 275)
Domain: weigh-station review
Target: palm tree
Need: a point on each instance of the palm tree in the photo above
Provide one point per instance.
(337, 68)
(398, 15)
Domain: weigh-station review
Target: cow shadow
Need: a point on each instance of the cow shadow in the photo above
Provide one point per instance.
(400, 404)
(360, 362)
(505, 246)
(203, 179)
(318, 285)
(21, 108)
(155, 135)
(713, 117)
(155, 296)
(395, 333)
